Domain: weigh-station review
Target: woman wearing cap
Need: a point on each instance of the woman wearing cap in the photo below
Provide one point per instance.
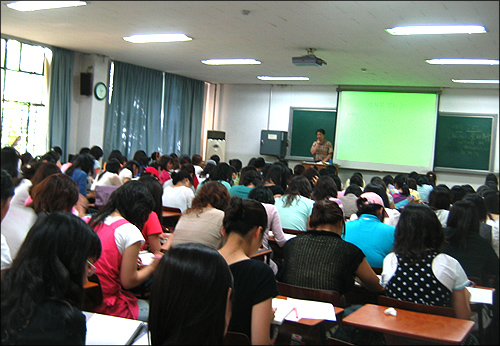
(320, 259)
(368, 232)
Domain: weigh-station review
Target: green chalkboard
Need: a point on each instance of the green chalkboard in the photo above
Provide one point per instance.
(302, 130)
(464, 142)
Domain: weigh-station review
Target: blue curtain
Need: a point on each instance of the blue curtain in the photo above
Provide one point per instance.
(133, 120)
(183, 115)
(61, 82)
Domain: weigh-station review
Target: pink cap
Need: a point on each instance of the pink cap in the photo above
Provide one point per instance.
(372, 198)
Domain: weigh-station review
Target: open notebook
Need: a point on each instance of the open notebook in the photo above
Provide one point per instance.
(111, 330)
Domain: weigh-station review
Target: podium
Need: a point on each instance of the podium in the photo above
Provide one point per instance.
(319, 166)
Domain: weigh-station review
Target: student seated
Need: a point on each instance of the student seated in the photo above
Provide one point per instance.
(368, 232)
(202, 223)
(179, 195)
(248, 181)
(190, 297)
(108, 177)
(118, 225)
(254, 283)
(295, 206)
(153, 229)
(320, 259)
(417, 271)
(42, 293)
(463, 242)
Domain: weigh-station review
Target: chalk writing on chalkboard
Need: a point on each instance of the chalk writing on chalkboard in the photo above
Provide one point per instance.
(464, 142)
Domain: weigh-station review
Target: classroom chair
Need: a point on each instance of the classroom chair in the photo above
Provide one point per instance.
(307, 293)
(92, 294)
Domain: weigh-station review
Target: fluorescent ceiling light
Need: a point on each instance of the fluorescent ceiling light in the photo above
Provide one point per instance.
(436, 29)
(43, 5)
(462, 61)
(231, 62)
(149, 38)
(476, 81)
(282, 78)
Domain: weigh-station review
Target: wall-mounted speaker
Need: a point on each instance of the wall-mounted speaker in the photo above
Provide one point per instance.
(86, 84)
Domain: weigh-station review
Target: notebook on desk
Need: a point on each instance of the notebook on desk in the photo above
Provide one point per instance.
(292, 309)
(111, 330)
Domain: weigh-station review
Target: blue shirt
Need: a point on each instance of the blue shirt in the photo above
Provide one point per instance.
(80, 177)
(373, 237)
(425, 191)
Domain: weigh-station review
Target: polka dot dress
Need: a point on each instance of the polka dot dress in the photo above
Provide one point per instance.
(417, 283)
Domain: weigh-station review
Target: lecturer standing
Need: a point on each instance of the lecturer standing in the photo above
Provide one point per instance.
(321, 149)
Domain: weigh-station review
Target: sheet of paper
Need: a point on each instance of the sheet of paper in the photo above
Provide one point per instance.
(283, 308)
(480, 295)
(289, 236)
(311, 309)
(110, 330)
(146, 257)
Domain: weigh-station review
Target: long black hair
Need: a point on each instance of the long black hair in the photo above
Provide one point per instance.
(243, 215)
(132, 200)
(50, 266)
(189, 297)
(418, 232)
(156, 190)
(85, 162)
(299, 186)
(462, 219)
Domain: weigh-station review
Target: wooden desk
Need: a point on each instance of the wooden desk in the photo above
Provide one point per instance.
(319, 166)
(409, 324)
(170, 218)
(261, 255)
(310, 331)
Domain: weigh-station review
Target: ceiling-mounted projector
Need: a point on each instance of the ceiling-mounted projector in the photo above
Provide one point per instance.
(308, 60)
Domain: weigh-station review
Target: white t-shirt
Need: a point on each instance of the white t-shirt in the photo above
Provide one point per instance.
(446, 269)
(494, 233)
(107, 179)
(19, 218)
(442, 215)
(177, 197)
(126, 234)
(6, 259)
(125, 173)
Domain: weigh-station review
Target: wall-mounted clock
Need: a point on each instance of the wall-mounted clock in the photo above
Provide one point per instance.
(100, 91)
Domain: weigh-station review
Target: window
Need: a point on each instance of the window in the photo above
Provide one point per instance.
(24, 122)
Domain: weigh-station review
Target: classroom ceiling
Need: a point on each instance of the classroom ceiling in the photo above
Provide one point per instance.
(349, 35)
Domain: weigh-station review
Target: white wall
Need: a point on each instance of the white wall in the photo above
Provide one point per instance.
(87, 113)
(245, 110)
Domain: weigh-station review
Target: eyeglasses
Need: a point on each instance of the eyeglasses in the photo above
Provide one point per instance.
(91, 270)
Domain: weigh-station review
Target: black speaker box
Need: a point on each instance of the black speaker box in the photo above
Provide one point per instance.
(86, 84)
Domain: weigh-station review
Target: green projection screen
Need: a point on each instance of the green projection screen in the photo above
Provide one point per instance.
(386, 131)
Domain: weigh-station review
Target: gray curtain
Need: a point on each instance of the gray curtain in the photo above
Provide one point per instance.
(133, 120)
(61, 82)
(183, 115)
